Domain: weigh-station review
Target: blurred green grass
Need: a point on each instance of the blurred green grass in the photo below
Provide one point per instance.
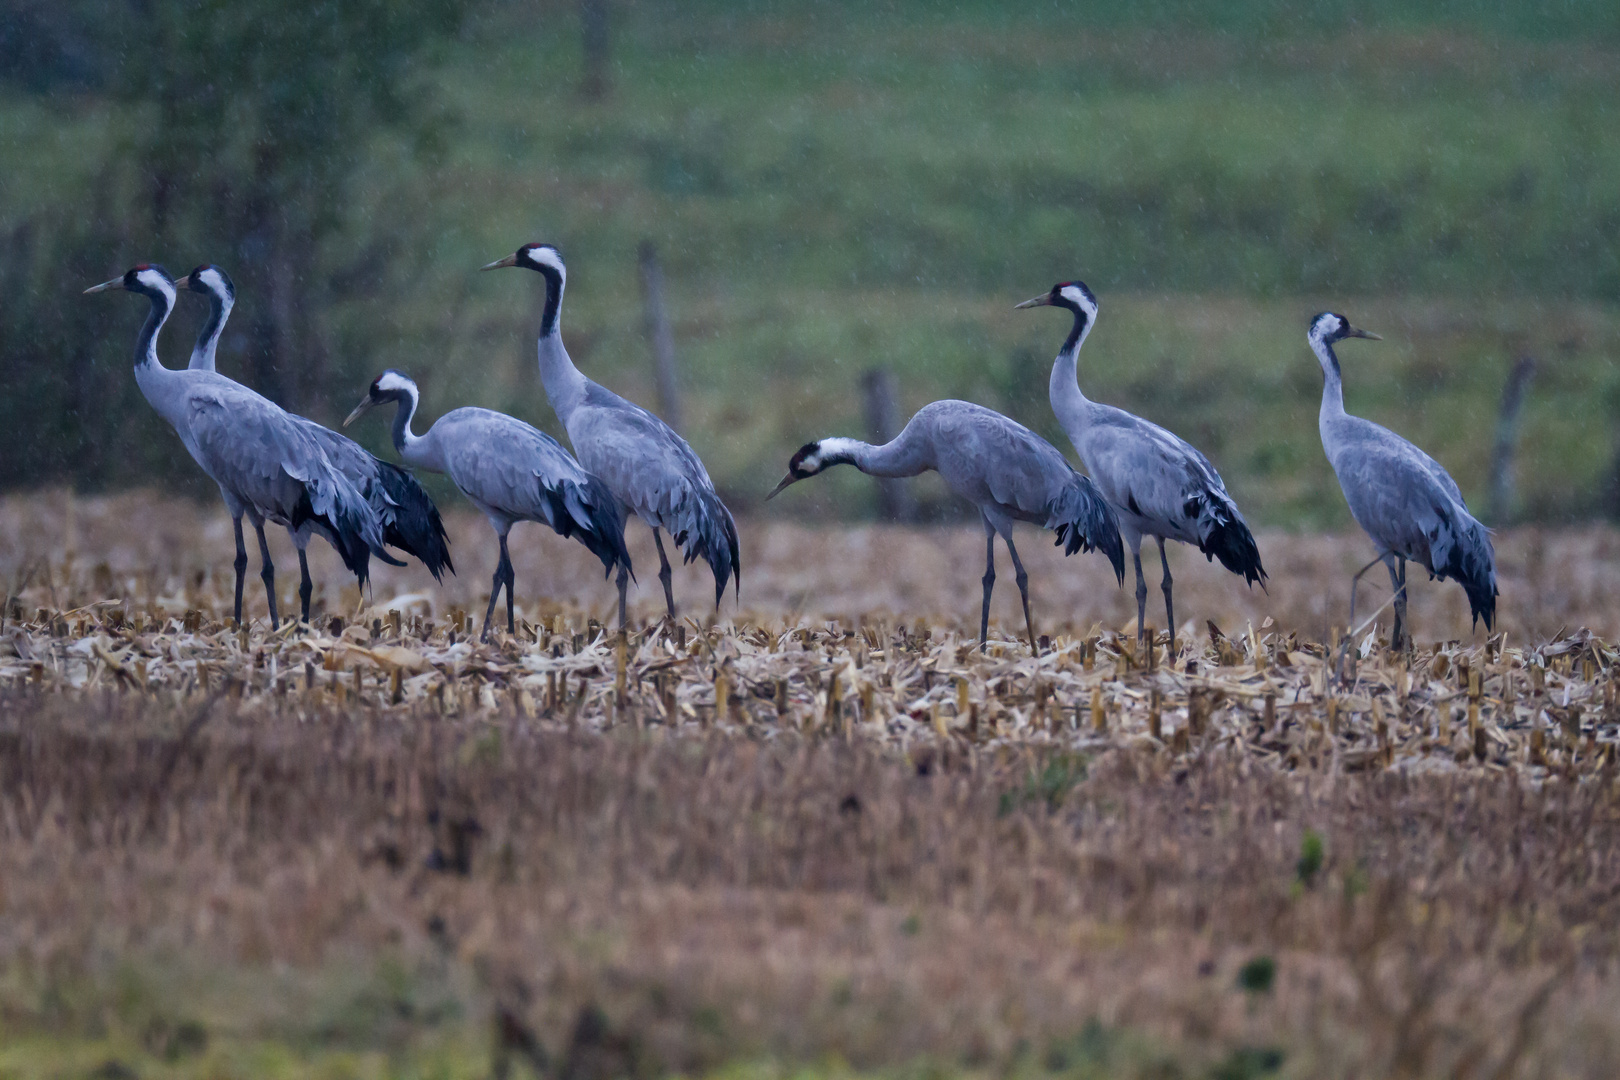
(838, 186)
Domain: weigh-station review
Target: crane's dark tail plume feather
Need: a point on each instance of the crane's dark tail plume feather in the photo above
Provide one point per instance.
(1084, 521)
(345, 528)
(1231, 542)
(602, 532)
(1472, 565)
(411, 522)
(713, 538)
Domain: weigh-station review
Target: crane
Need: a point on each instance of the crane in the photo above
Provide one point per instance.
(510, 471)
(650, 469)
(410, 521)
(1157, 483)
(997, 464)
(266, 466)
(1400, 496)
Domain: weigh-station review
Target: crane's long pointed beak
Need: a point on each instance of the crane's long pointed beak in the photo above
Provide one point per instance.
(777, 490)
(1368, 334)
(115, 283)
(183, 283)
(359, 410)
(510, 260)
(1043, 300)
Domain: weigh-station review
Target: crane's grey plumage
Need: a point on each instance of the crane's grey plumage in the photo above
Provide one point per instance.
(1401, 497)
(997, 464)
(510, 471)
(266, 466)
(407, 515)
(650, 469)
(1157, 483)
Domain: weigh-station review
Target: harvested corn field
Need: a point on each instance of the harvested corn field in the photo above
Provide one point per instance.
(824, 827)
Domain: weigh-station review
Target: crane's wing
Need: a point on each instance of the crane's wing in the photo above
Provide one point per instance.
(406, 513)
(520, 470)
(256, 450)
(1163, 479)
(655, 473)
(1026, 476)
(1395, 496)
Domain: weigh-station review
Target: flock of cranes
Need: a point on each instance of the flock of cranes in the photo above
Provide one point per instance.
(1143, 481)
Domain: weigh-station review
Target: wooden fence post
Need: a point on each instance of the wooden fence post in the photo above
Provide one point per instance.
(895, 501)
(655, 321)
(1502, 504)
(593, 18)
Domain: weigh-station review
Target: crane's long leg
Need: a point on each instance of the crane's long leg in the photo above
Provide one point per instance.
(1141, 594)
(664, 574)
(1023, 591)
(240, 564)
(267, 572)
(1397, 581)
(989, 581)
(511, 578)
(306, 588)
(1169, 604)
(503, 577)
(623, 582)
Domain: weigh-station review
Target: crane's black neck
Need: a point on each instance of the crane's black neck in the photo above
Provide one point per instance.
(406, 399)
(554, 291)
(146, 343)
(208, 337)
(1078, 329)
(1329, 358)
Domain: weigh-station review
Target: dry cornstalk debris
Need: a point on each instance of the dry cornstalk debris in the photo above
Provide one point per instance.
(1281, 702)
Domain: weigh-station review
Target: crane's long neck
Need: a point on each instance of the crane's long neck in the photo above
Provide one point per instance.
(903, 455)
(1068, 402)
(146, 357)
(202, 353)
(565, 386)
(411, 447)
(1332, 380)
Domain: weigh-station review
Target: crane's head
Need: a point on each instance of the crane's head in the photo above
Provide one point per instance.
(1072, 295)
(148, 279)
(812, 458)
(544, 258)
(209, 280)
(391, 385)
(1329, 327)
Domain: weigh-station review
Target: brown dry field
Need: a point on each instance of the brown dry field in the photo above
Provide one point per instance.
(820, 832)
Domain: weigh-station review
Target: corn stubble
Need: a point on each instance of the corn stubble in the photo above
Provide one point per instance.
(787, 836)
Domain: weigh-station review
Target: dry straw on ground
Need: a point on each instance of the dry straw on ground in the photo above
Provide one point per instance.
(822, 826)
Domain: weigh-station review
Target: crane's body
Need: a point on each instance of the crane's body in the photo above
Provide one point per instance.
(1004, 469)
(1157, 483)
(510, 471)
(409, 520)
(266, 466)
(652, 472)
(1400, 496)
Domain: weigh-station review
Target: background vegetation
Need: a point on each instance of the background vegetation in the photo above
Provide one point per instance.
(833, 187)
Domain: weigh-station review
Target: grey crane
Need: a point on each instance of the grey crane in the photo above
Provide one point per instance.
(1410, 506)
(266, 466)
(1158, 483)
(510, 471)
(410, 521)
(650, 469)
(997, 464)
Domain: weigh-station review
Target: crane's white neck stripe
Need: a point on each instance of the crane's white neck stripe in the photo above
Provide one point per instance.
(1078, 298)
(393, 380)
(549, 258)
(154, 280)
(216, 284)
